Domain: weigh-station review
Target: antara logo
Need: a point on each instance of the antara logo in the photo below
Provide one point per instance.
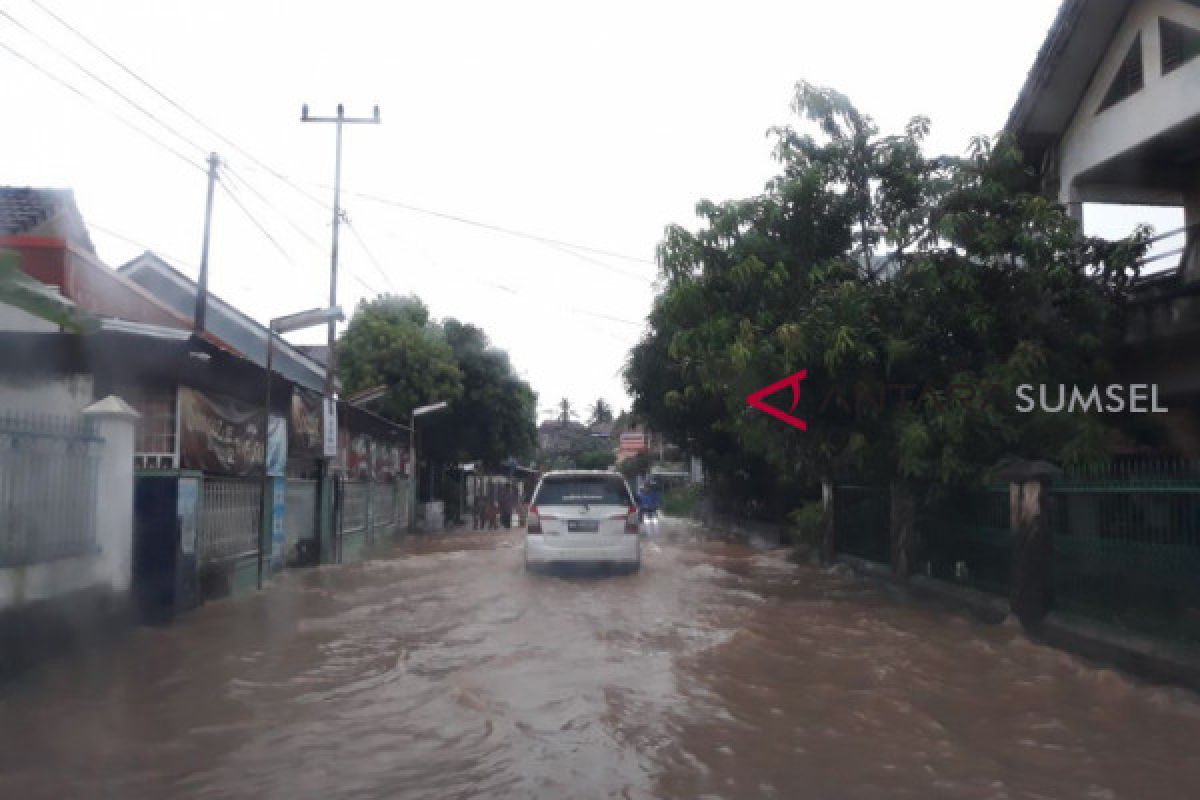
(757, 399)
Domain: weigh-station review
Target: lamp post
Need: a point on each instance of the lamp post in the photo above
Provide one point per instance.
(412, 453)
(281, 325)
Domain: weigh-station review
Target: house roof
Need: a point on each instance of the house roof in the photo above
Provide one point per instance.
(30, 211)
(1077, 41)
(238, 329)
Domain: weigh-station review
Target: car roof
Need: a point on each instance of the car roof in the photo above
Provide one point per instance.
(581, 473)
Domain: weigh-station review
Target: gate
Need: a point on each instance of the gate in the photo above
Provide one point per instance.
(965, 537)
(48, 475)
(231, 519)
(300, 519)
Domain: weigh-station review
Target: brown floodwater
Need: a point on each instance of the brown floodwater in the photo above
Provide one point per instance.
(441, 670)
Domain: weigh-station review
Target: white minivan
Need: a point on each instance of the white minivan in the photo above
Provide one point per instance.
(583, 516)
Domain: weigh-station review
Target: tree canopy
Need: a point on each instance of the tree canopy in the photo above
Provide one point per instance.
(874, 267)
(394, 342)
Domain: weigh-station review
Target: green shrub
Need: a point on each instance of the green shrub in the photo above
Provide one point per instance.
(808, 524)
(682, 501)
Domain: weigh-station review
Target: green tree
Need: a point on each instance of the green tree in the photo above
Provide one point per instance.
(392, 341)
(869, 265)
(494, 419)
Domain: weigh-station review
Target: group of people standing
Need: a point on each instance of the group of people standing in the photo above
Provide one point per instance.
(495, 510)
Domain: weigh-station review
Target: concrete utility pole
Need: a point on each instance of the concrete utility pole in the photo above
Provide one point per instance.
(202, 281)
(340, 120)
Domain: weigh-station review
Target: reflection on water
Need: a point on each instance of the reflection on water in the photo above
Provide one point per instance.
(443, 671)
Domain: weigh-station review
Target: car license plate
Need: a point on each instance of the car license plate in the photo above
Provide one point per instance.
(582, 526)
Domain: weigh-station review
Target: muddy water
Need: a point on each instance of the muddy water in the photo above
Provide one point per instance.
(443, 671)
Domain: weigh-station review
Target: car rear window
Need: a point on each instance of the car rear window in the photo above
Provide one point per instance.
(599, 491)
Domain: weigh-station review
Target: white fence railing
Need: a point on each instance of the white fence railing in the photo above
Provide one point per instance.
(48, 476)
(231, 519)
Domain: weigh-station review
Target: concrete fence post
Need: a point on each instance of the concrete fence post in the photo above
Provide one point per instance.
(114, 421)
(903, 513)
(828, 529)
(1031, 516)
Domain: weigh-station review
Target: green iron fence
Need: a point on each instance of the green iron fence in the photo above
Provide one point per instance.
(965, 537)
(1127, 546)
(862, 522)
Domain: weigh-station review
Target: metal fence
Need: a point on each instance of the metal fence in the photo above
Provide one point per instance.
(231, 518)
(384, 505)
(965, 536)
(862, 521)
(354, 507)
(48, 475)
(1127, 546)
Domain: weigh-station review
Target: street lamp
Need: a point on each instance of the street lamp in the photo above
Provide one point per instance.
(412, 452)
(281, 325)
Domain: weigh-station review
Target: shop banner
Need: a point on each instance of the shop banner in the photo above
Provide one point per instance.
(304, 434)
(220, 434)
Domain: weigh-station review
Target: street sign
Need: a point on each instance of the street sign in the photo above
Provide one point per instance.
(329, 428)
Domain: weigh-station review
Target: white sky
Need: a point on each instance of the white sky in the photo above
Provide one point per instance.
(596, 124)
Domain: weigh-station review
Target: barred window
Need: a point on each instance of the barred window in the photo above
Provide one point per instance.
(155, 443)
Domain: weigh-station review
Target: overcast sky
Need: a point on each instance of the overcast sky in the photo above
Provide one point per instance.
(595, 124)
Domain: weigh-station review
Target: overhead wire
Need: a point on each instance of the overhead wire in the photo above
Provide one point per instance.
(571, 248)
(179, 107)
(370, 255)
(77, 91)
(82, 68)
(136, 243)
(497, 228)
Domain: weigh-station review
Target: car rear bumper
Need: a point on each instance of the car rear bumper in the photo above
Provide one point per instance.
(545, 550)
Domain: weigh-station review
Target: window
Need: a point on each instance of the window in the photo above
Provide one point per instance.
(601, 490)
(155, 444)
(1180, 44)
(1129, 78)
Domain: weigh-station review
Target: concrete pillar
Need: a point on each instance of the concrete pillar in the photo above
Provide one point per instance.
(1031, 594)
(903, 529)
(828, 531)
(1190, 263)
(114, 421)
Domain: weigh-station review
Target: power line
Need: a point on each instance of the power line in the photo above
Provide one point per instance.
(498, 228)
(279, 247)
(568, 247)
(178, 107)
(261, 228)
(245, 184)
(136, 243)
(74, 90)
(98, 79)
(371, 256)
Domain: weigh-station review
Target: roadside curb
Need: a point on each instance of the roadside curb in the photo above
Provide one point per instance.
(1138, 655)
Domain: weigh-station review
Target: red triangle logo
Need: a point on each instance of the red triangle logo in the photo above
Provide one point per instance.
(758, 399)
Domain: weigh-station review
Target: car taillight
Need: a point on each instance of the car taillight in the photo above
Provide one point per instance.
(535, 522)
(631, 520)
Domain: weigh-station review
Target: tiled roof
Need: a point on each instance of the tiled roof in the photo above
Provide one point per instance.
(24, 209)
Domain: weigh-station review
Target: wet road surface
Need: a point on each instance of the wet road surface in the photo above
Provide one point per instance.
(441, 670)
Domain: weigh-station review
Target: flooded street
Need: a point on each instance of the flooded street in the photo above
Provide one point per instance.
(443, 671)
